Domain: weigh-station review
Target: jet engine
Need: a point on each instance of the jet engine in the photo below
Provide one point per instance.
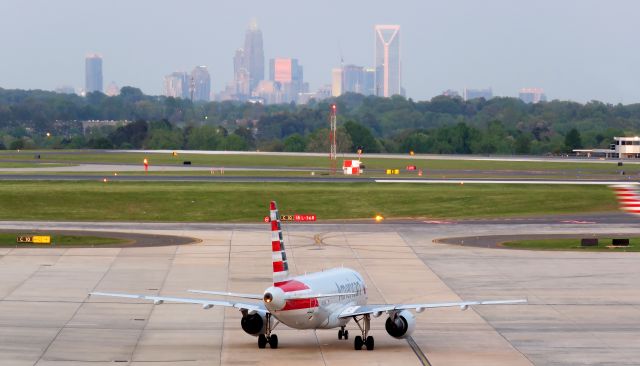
(400, 325)
(254, 324)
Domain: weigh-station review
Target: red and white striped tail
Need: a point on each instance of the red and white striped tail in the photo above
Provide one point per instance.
(280, 263)
(628, 197)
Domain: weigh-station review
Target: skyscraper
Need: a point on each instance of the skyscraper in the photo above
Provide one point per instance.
(369, 81)
(353, 79)
(241, 88)
(253, 54)
(387, 60)
(288, 73)
(200, 84)
(336, 82)
(177, 85)
(93, 73)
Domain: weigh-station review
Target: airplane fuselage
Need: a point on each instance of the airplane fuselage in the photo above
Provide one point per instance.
(309, 312)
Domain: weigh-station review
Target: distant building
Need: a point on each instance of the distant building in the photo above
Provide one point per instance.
(241, 87)
(65, 89)
(451, 93)
(621, 148)
(113, 89)
(369, 81)
(353, 79)
(336, 82)
(532, 95)
(93, 73)
(253, 55)
(268, 91)
(176, 85)
(288, 74)
(387, 60)
(469, 94)
(200, 84)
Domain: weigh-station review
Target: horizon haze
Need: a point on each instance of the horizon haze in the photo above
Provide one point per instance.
(575, 50)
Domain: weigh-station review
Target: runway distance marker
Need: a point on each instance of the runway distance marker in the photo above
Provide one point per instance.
(294, 218)
(34, 239)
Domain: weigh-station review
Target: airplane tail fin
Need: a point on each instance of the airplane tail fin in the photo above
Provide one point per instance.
(280, 263)
(628, 198)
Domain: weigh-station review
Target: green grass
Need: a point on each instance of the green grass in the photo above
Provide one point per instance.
(248, 202)
(572, 244)
(9, 240)
(371, 162)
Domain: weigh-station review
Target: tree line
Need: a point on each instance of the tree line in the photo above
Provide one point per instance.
(42, 119)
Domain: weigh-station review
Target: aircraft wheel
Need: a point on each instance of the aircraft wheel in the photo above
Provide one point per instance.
(262, 341)
(340, 334)
(346, 334)
(357, 343)
(369, 343)
(273, 341)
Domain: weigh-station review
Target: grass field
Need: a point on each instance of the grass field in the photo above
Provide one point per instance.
(9, 240)
(248, 202)
(573, 244)
(307, 161)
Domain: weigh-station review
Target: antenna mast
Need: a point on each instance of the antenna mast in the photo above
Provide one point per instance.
(332, 138)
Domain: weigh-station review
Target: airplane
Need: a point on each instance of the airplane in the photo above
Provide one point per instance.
(320, 300)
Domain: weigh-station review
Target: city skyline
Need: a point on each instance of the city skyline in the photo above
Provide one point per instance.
(501, 44)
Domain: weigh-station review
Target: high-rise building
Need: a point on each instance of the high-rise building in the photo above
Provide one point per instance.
(353, 79)
(176, 85)
(288, 74)
(200, 84)
(253, 54)
(336, 82)
(387, 60)
(93, 73)
(369, 81)
(469, 94)
(241, 88)
(532, 95)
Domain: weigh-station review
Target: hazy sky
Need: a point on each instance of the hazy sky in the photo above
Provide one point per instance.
(575, 49)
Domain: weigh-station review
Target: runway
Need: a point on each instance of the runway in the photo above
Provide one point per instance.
(584, 307)
(303, 179)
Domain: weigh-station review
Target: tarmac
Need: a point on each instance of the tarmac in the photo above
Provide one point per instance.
(584, 308)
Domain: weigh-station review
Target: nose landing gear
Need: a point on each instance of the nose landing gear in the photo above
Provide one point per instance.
(343, 333)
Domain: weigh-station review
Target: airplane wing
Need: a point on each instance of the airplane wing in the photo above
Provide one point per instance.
(377, 310)
(206, 304)
(231, 294)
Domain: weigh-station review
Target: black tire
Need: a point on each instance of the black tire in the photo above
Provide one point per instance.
(273, 341)
(340, 334)
(262, 341)
(357, 343)
(346, 334)
(369, 343)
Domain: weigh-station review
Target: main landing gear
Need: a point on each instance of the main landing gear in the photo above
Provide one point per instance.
(343, 333)
(269, 338)
(365, 339)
